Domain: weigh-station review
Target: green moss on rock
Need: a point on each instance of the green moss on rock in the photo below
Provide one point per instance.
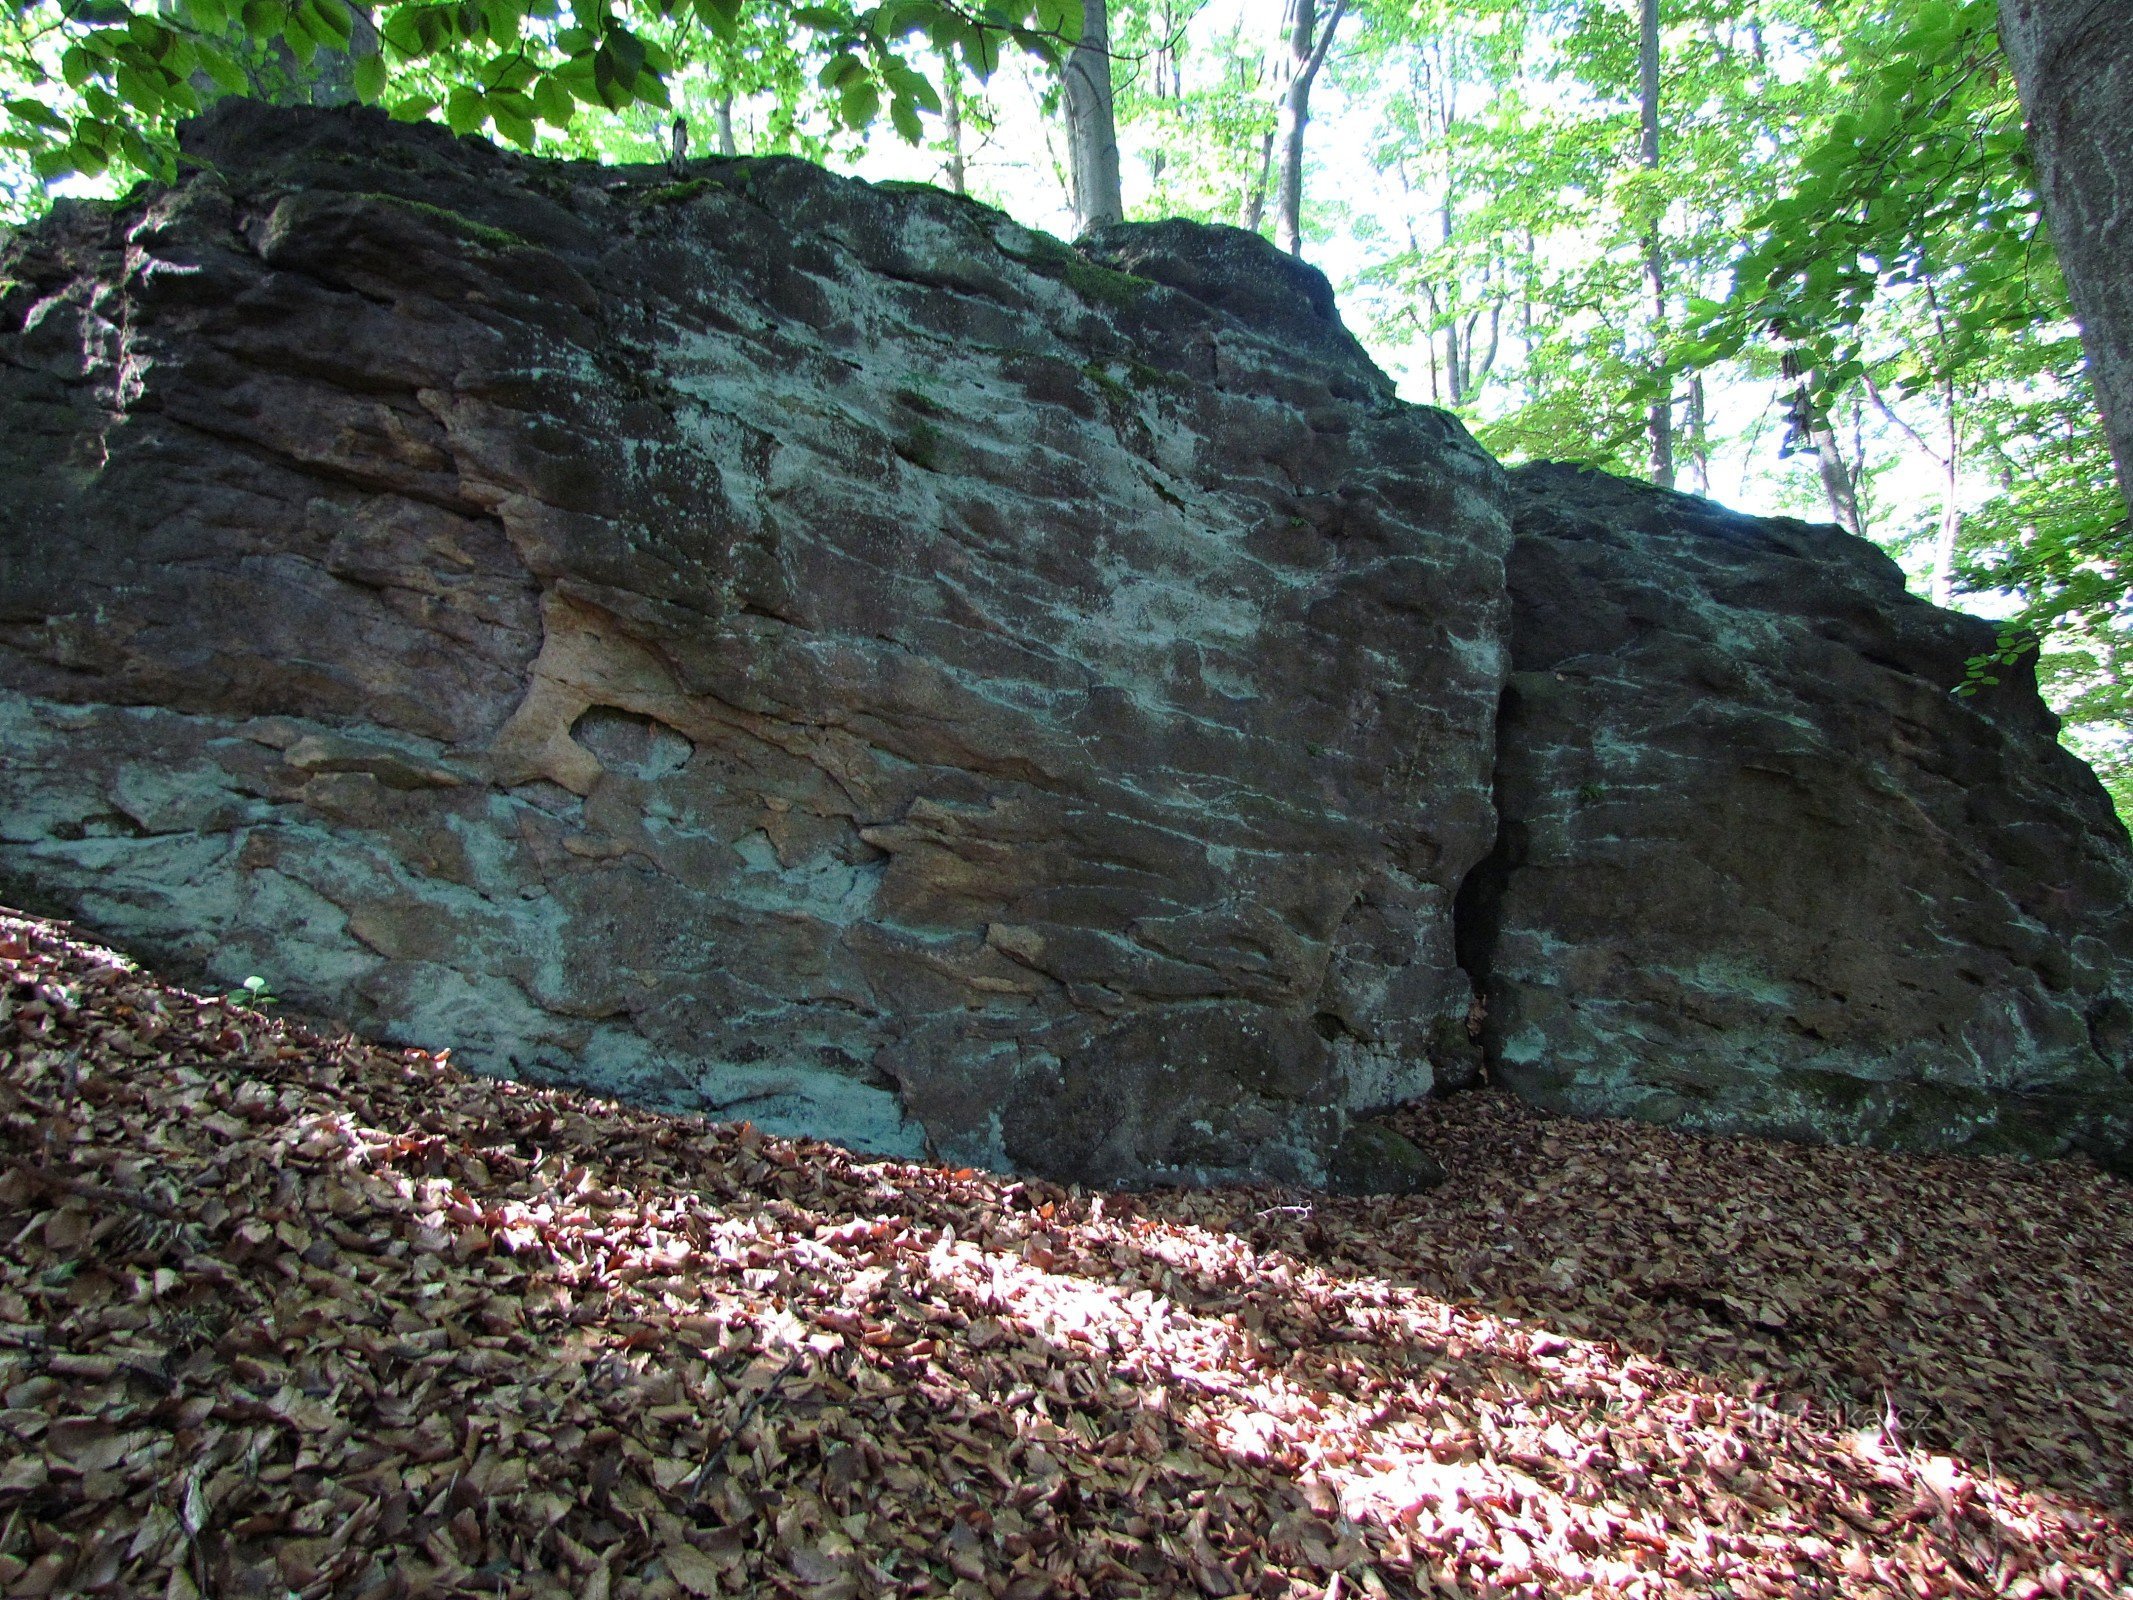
(1372, 1159)
(464, 226)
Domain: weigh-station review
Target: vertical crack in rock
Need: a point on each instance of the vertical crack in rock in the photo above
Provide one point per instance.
(1477, 915)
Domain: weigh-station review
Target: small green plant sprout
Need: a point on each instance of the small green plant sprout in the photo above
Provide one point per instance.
(254, 995)
(2014, 642)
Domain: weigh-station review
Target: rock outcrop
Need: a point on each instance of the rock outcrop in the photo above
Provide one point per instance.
(809, 651)
(1760, 871)
(825, 654)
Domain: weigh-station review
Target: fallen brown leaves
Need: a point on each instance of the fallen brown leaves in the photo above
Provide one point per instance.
(288, 1315)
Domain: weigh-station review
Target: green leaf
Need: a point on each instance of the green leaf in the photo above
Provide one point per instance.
(857, 102)
(501, 20)
(909, 85)
(225, 74)
(722, 17)
(412, 109)
(37, 112)
(904, 115)
(463, 110)
(334, 20)
(518, 129)
(403, 31)
(553, 103)
(518, 70)
(628, 52)
(137, 90)
(264, 18)
(369, 78)
(1062, 18)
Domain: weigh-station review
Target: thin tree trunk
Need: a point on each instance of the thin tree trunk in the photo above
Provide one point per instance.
(1660, 423)
(1525, 298)
(1308, 45)
(1255, 198)
(1837, 486)
(2072, 61)
(952, 116)
(1951, 510)
(1699, 438)
(1092, 126)
(1487, 363)
(722, 121)
(1949, 534)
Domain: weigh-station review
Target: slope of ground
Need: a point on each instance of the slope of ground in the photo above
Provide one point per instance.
(288, 1314)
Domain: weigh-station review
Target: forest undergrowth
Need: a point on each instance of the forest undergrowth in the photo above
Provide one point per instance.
(284, 1313)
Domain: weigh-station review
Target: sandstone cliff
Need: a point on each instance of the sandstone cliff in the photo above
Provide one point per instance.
(818, 653)
(825, 654)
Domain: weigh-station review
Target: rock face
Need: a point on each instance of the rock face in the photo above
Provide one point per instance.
(825, 654)
(1760, 871)
(812, 652)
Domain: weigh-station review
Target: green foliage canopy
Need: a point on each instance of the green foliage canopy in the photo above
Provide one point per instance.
(94, 83)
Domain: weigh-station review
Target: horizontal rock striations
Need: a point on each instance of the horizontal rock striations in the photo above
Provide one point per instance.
(1761, 872)
(808, 651)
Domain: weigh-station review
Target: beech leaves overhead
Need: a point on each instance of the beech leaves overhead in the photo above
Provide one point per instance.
(109, 79)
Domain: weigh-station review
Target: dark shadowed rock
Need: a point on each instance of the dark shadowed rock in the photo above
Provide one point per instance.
(809, 651)
(1761, 871)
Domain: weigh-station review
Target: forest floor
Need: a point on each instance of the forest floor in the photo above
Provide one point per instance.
(289, 1314)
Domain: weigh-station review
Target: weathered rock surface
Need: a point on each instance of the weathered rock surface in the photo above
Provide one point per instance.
(1761, 872)
(825, 654)
(814, 652)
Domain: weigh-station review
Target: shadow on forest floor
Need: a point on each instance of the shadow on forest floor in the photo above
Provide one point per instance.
(293, 1314)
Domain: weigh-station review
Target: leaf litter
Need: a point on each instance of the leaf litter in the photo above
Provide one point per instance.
(283, 1313)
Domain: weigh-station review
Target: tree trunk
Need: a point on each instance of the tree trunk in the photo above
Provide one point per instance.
(1254, 212)
(1837, 486)
(722, 120)
(1307, 53)
(1660, 423)
(952, 117)
(1699, 437)
(2073, 63)
(1949, 534)
(1092, 127)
